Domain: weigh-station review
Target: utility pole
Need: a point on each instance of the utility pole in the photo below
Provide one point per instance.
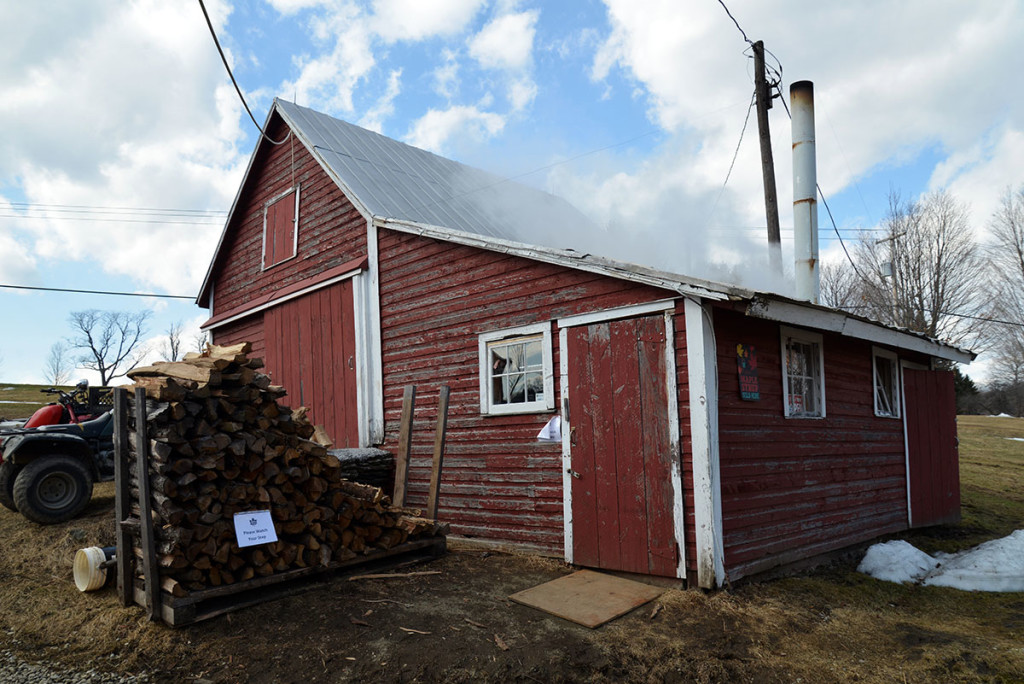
(763, 100)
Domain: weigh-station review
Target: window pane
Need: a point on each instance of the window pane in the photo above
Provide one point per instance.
(534, 357)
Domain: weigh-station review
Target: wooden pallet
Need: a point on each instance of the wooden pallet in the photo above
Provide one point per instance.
(210, 603)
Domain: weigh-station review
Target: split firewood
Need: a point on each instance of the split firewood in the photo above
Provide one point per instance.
(222, 443)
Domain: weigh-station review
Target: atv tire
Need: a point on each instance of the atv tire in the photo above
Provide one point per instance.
(52, 489)
(8, 472)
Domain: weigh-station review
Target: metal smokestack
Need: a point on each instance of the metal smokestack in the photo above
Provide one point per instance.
(805, 192)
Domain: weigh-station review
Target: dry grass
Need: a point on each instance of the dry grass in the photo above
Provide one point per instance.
(21, 401)
(830, 625)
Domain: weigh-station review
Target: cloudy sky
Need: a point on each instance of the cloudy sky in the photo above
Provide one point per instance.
(124, 141)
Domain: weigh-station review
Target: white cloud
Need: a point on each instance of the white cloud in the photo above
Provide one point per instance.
(446, 76)
(385, 105)
(395, 20)
(506, 42)
(17, 265)
(434, 129)
(99, 124)
(521, 93)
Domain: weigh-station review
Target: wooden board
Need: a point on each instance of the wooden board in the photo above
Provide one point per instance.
(931, 440)
(588, 598)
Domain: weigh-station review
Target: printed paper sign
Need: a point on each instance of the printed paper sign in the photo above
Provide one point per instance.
(254, 527)
(552, 432)
(746, 357)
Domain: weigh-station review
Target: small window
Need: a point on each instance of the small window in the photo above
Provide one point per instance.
(887, 383)
(515, 370)
(803, 381)
(280, 228)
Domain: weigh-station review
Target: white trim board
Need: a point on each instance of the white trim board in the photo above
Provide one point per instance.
(617, 313)
(281, 300)
(707, 489)
(675, 445)
(563, 363)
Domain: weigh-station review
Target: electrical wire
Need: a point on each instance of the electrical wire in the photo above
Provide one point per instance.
(108, 220)
(735, 154)
(742, 32)
(95, 209)
(237, 88)
(986, 319)
(97, 292)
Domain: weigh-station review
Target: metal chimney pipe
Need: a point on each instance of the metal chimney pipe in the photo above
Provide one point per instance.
(805, 192)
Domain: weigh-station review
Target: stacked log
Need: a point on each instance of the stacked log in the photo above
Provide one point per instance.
(221, 443)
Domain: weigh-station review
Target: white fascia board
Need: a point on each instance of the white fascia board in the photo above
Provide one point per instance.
(548, 255)
(848, 326)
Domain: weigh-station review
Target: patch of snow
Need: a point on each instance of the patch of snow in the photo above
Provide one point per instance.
(1002, 415)
(996, 565)
(1016, 439)
(8, 389)
(896, 561)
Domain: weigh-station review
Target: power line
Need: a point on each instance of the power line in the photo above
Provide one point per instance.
(744, 33)
(943, 313)
(735, 154)
(96, 292)
(238, 90)
(87, 208)
(107, 220)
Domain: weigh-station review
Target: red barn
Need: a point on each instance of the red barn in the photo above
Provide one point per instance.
(707, 432)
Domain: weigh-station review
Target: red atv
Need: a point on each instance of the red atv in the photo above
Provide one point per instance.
(81, 406)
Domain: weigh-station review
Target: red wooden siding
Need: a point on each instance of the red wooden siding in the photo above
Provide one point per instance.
(308, 345)
(793, 488)
(930, 403)
(499, 482)
(621, 489)
(331, 231)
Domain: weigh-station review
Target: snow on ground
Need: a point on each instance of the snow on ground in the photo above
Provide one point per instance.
(996, 565)
(1016, 439)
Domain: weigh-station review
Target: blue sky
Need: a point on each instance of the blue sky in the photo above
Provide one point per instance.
(631, 109)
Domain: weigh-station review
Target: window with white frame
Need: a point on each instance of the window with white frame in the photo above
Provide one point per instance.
(886, 372)
(803, 377)
(516, 374)
(280, 228)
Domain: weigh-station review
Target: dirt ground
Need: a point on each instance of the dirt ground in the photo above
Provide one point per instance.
(828, 625)
(459, 626)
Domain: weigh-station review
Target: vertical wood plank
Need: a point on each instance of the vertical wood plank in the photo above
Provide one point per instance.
(439, 440)
(599, 392)
(150, 571)
(627, 451)
(404, 445)
(581, 447)
(122, 499)
(348, 362)
(657, 464)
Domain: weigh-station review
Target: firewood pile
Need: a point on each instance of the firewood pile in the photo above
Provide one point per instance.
(221, 443)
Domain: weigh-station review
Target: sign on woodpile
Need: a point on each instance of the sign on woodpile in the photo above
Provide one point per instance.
(219, 443)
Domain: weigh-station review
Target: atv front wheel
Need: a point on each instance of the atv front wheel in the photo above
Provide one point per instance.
(52, 489)
(8, 472)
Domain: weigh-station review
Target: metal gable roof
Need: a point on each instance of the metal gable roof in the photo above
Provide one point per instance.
(393, 180)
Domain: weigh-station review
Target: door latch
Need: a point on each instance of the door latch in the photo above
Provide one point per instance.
(573, 473)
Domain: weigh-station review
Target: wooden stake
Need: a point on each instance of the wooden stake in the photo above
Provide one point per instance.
(150, 572)
(122, 500)
(439, 439)
(404, 445)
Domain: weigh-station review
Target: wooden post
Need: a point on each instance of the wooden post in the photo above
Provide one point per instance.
(439, 437)
(763, 98)
(122, 500)
(150, 571)
(404, 445)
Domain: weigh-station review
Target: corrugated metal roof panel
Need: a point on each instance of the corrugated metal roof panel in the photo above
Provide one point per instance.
(394, 180)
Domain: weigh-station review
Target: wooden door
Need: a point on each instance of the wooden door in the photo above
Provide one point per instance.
(933, 461)
(621, 496)
(310, 351)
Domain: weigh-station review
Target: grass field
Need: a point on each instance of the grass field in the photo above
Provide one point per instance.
(828, 625)
(21, 401)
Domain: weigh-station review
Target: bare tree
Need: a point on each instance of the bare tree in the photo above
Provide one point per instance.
(172, 347)
(200, 340)
(57, 370)
(925, 274)
(840, 287)
(110, 340)
(1006, 289)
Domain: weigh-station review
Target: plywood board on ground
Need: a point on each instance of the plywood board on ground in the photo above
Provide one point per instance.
(588, 598)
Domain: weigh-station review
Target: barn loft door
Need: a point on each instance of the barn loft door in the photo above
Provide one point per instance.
(310, 350)
(933, 475)
(621, 498)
